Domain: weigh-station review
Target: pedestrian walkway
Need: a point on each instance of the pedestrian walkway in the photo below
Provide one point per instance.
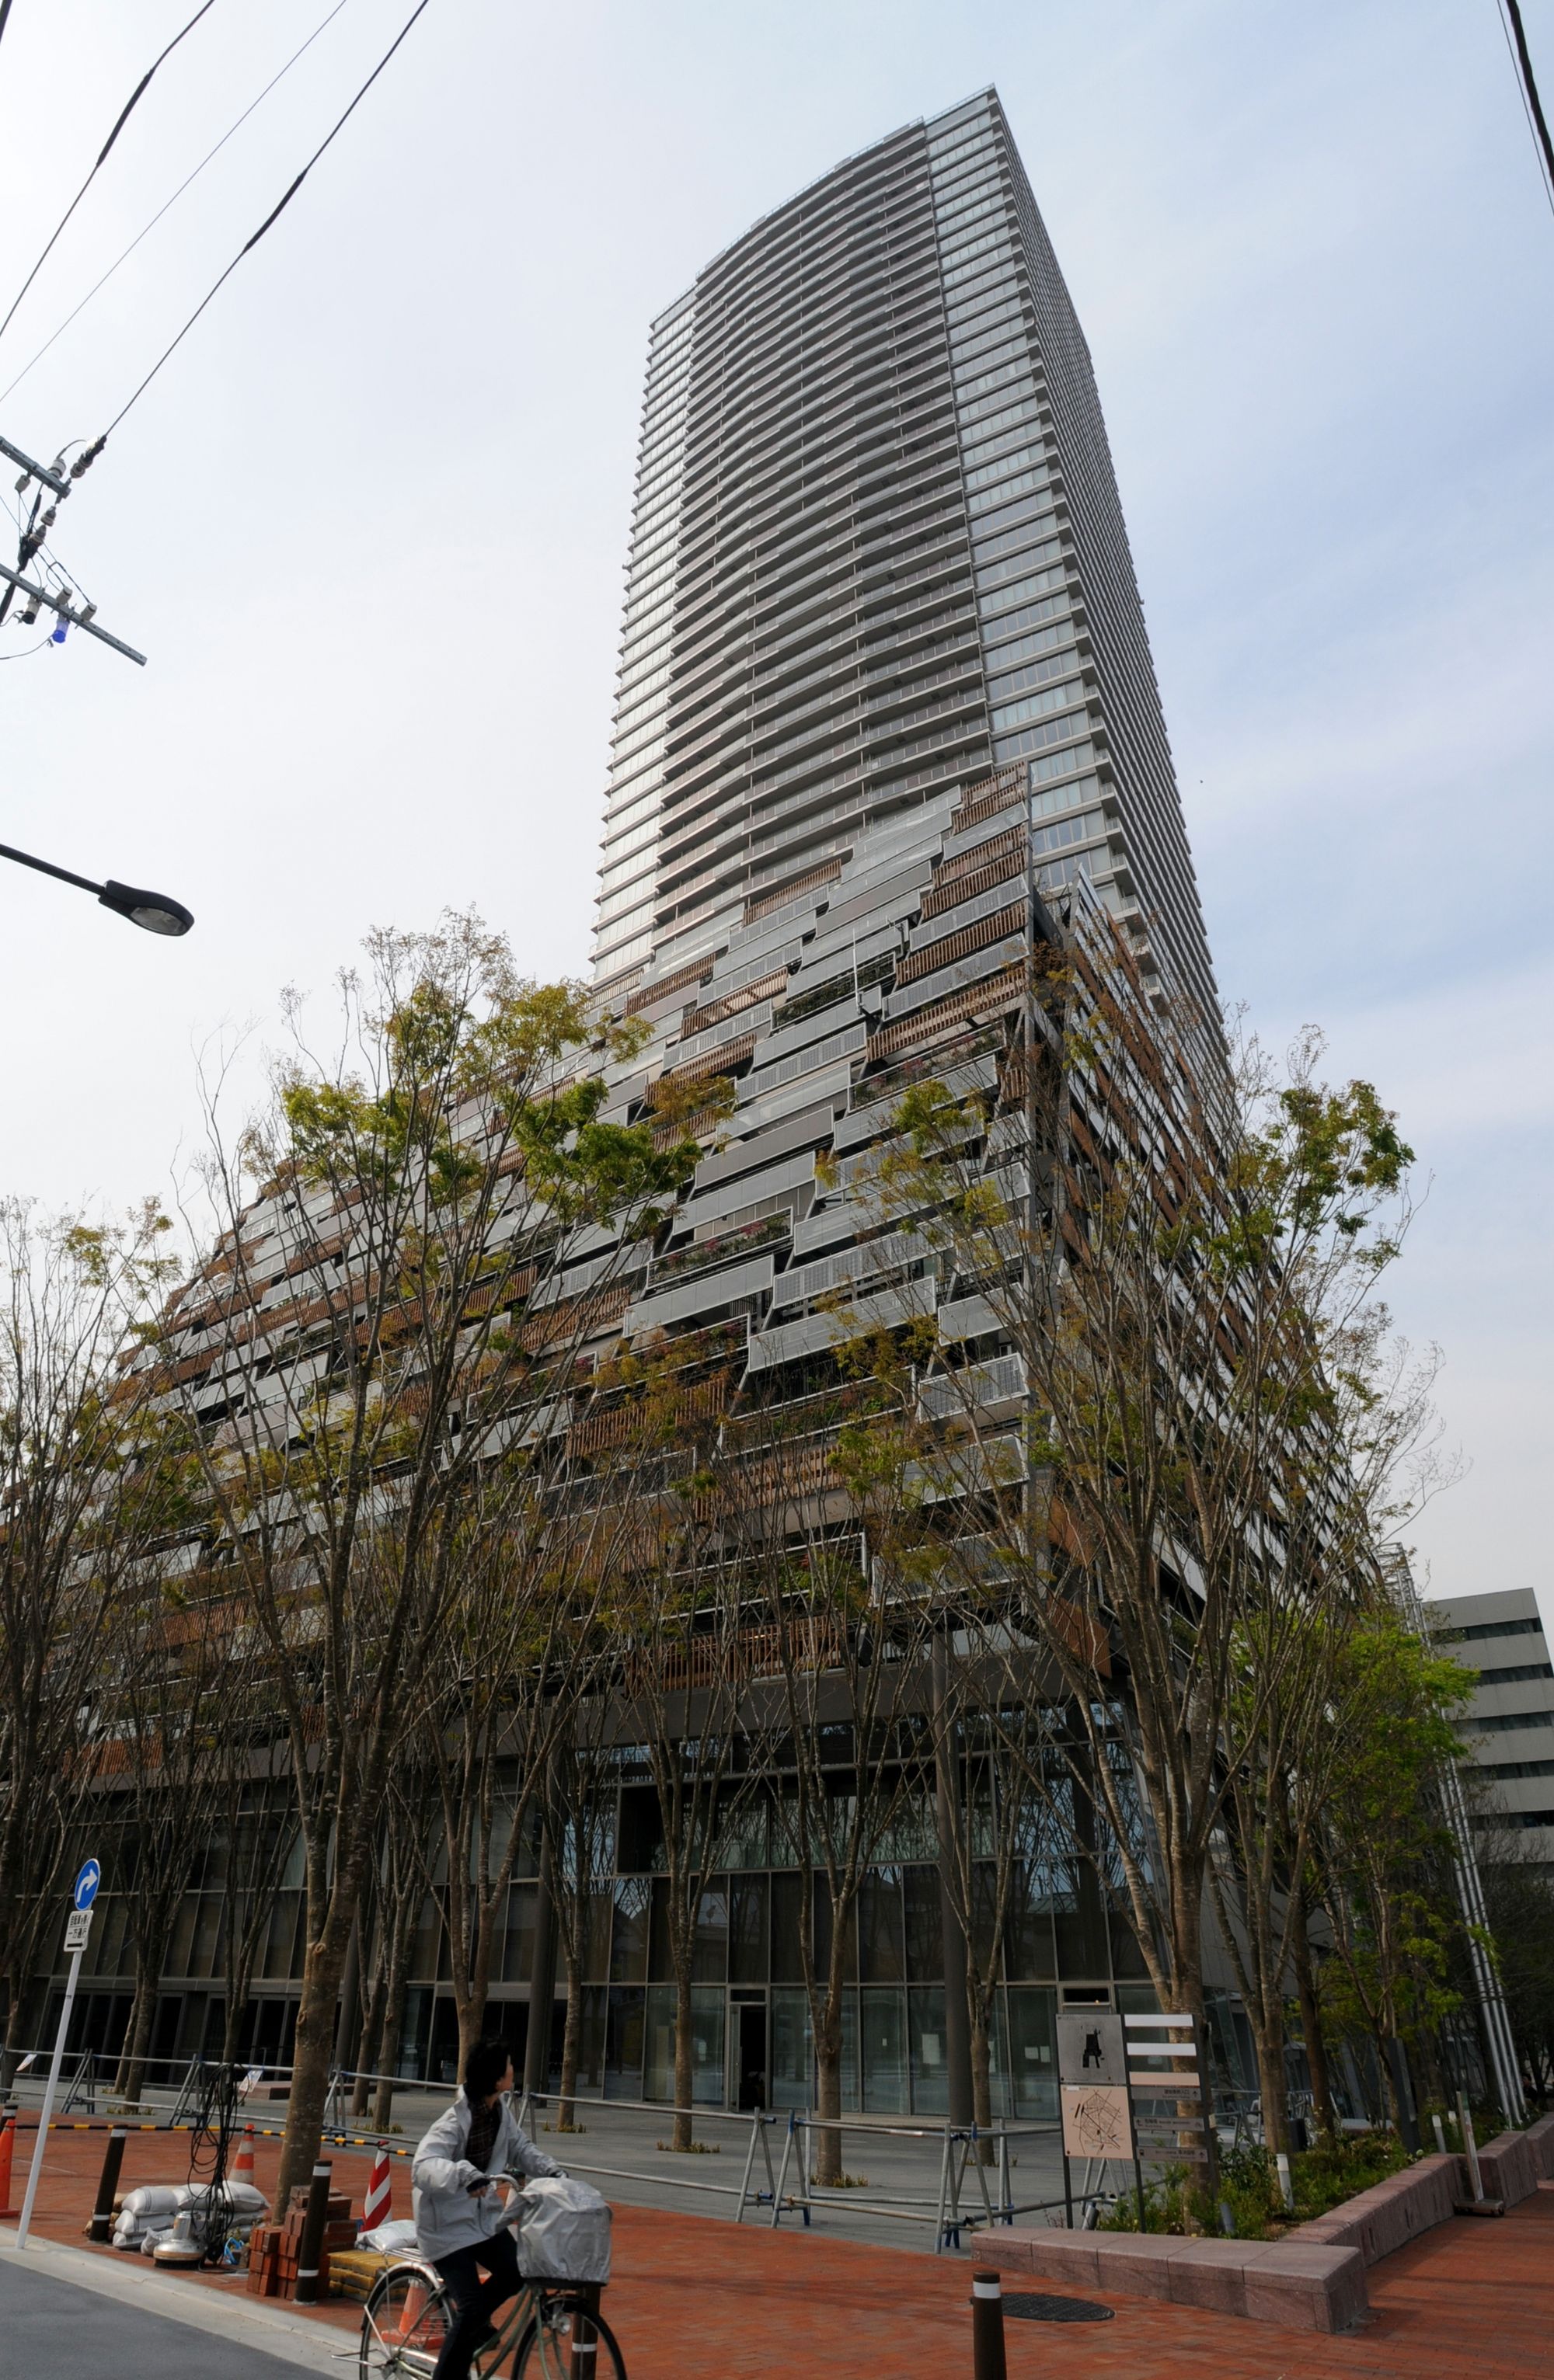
(699, 2299)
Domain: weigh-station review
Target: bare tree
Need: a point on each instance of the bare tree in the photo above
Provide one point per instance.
(1178, 1246)
(352, 1351)
(837, 1562)
(165, 1709)
(73, 1296)
(401, 1882)
(581, 1813)
(681, 1605)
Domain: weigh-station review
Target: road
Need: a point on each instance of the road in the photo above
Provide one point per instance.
(52, 2330)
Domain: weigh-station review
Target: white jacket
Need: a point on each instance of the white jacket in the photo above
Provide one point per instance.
(447, 2217)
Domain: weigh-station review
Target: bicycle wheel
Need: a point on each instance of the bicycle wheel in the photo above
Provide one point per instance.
(403, 2325)
(544, 2351)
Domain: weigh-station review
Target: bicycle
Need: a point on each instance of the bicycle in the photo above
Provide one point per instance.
(553, 2330)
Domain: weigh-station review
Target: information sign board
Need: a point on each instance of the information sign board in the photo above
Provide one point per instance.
(1090, 2048)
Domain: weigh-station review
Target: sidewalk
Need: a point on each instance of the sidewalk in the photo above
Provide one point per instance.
(698, 2299)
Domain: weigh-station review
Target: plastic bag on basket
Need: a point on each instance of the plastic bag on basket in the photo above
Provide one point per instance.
(564, 2234)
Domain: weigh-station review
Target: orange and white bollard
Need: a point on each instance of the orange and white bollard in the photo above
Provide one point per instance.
(242, 2163)
(379, 2199)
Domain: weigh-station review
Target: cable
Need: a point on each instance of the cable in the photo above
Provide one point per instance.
(96, 448)
(176, 195)
(1522, 58)
(124, 115)
(5, 12)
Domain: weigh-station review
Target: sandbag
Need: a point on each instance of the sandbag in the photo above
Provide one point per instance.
(153, 2199)
(388, 2239)
(564, 2231)
(241, 2197)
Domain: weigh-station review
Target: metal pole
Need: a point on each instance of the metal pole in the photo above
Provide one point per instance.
(1471, 2146)
(947, 1788)
(47, 2109)
(749, 2169)
(782, 2176)
(308, 2254)
(987, 2328)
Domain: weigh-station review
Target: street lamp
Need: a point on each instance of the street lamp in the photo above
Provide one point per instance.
(154, 911)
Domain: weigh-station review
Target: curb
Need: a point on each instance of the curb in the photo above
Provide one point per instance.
(240, 2324)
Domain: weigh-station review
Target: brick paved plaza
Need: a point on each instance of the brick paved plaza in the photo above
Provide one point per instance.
(695, 2298)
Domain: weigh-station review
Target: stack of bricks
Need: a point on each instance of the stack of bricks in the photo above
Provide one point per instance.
(275, 2248)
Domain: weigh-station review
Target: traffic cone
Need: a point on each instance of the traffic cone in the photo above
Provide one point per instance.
(242, 2163)
(379, 2199)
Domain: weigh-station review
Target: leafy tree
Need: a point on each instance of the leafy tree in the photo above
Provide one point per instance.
(1382, 1851)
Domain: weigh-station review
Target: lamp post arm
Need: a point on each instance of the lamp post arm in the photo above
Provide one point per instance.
(47, 868)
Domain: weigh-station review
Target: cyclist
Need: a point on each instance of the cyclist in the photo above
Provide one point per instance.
(459, 2210)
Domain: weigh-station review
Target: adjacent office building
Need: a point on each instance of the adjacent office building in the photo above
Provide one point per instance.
(1509, 1723)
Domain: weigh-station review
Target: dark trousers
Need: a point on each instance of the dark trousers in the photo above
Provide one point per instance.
(475, 2301)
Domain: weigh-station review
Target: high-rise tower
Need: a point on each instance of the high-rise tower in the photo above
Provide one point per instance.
(878, 550)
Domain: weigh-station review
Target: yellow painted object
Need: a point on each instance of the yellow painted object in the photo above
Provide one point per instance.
(352, 2272)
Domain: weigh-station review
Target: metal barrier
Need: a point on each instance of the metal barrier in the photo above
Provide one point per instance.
(967, 2194)
(959, 2154)
(760, 2121)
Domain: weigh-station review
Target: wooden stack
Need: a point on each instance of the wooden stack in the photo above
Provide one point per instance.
(275, 2248)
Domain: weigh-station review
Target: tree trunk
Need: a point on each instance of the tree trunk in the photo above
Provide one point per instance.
(137, 2032)
(982, 2075)
(1392, 2098)
(369, 2057)
(566, 2117)
(132, 2065)
(828, 2097)
(684, 2071)
(150, 1952)
(1311, 2028)
(317, 2014)
(394, 2007)
(1186, 1920)
(1270, 2038)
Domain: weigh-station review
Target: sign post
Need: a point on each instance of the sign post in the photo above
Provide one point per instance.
(78, 1930)
(1095, 2098)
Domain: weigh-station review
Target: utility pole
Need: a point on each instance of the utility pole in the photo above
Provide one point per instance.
(53, 480)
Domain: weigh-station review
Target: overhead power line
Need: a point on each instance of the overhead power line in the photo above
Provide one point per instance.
(279, 208)
(176, 195)
(1538, 123)
(5, 12)
(124, 115)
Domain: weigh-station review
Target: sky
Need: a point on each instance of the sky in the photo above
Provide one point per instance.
(369, 526)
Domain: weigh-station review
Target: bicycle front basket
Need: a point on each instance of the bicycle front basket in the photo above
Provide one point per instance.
(564, 2231)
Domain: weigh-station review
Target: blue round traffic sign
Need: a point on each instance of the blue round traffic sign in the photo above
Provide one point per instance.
(87, 1883)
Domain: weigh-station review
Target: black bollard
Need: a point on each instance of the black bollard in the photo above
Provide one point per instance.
(987, 2328)
(309, 2254)
(102, 2213)
(585, 2338)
